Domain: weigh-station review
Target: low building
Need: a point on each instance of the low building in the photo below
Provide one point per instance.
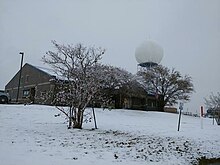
(35, 83)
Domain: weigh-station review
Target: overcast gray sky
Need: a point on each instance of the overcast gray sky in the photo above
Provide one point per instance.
(188, 31)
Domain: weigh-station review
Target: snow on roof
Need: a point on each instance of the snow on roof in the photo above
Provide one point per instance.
(50, 72)
(46, 70)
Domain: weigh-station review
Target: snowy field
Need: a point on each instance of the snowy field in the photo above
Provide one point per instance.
(32, 135)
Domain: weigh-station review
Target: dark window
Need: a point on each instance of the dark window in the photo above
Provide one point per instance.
(26, 92)
(43, 94)
(27, 78)
(22, 80)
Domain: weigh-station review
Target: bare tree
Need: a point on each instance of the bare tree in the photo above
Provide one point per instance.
(213, 105)
(169, 85)
(213, 101)
(81, 79)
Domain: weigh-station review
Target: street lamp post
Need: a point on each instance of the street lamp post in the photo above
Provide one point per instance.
(19, 80)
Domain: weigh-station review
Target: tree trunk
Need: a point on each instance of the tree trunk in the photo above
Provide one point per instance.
(71, 118)
(162, 104)
(78, 120)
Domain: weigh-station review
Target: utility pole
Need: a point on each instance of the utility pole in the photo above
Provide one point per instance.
(19, 80)
(180, 109)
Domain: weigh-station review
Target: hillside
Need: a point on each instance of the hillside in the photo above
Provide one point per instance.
(33, 135)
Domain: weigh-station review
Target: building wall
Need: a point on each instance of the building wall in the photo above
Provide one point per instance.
(36, 84)
(33, 84)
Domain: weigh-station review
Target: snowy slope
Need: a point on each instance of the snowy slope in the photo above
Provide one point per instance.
(33, 135)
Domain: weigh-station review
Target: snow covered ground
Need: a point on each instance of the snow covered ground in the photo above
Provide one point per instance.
(32, 135)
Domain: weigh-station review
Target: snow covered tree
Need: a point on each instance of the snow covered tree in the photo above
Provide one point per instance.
(213, 101)
(81, 78)
(167, 84)
(213, 105)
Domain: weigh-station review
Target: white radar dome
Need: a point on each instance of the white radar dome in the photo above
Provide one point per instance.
(149, 52)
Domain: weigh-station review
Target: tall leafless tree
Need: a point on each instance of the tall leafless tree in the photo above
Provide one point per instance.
(213, 104)
(213, 101)
(167, 84)
(80, 78)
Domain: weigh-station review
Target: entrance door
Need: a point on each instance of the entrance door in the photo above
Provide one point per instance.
(32, 95)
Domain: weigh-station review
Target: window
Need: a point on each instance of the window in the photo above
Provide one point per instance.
(22, 80)
(43, 94)
(27, 78)
(26, 92)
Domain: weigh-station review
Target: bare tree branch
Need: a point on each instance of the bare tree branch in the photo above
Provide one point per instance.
(169, 84)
